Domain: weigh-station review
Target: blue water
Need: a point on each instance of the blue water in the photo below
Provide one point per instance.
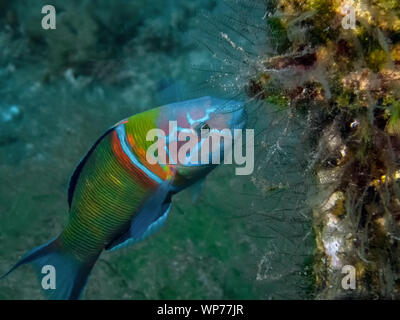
(246, 237)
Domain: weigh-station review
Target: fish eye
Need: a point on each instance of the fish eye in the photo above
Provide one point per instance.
(203, 129)
(205, 126)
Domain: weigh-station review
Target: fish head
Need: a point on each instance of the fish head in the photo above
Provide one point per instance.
(200, 133)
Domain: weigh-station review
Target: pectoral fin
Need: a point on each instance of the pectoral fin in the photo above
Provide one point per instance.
(149, 219)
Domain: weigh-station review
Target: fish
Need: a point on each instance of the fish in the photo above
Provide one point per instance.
(117, 198)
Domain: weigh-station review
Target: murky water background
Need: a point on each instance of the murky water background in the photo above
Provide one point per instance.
(246, 237)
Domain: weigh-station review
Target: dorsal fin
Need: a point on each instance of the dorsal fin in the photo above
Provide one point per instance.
(75, 176)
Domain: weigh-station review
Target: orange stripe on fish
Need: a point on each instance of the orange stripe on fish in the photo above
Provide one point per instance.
(136, 173)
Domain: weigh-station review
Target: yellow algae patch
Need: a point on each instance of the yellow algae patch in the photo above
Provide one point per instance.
(385, 179)
(396, 52)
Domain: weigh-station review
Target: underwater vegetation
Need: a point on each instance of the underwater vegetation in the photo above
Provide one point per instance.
(302, 61)
(324, 101)
(347, 82)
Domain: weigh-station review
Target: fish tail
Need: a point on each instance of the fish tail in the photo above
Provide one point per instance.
(61, 275)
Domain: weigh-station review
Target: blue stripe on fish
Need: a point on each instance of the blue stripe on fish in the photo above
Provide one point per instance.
(205, 118)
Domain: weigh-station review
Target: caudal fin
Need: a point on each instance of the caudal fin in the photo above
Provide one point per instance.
(61, 275)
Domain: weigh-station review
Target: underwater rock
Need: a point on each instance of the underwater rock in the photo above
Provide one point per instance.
(346, 82)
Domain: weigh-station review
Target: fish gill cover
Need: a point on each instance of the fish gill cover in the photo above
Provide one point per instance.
(322, 98)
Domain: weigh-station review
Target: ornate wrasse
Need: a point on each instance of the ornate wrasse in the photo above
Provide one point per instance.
(117, 197)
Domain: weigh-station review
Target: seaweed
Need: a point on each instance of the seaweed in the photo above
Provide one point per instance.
(340, 89)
